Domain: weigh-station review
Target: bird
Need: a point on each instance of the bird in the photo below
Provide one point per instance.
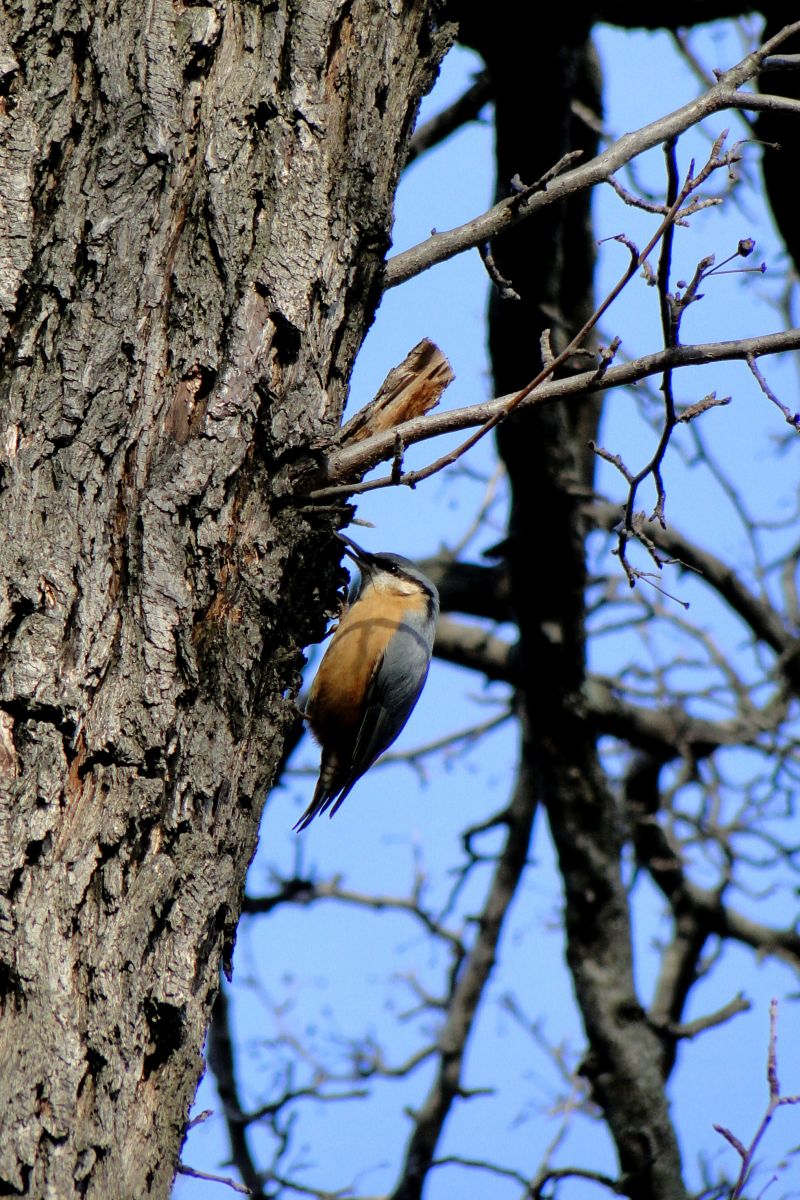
(372, 673)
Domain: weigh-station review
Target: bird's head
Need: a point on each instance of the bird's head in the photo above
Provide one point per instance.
(389, 572)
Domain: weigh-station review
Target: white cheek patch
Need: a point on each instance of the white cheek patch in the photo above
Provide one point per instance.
(395, 585)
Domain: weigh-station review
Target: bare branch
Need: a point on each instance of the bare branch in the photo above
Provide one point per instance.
(310, 891)
(726, 922)
(764, 621)
(455, 1160)
(747, 1153)
(701, 406)
(672, 308)
(472, 647)
(221, 1062)
(716, 160)
(350, 462)
(655, 851)
(193, 1173)
(505, 289)
(666, 732)
(553, 1173)
(463, 110)
(691, 1029)
(724, 94)
(791, 418)
(467, 988)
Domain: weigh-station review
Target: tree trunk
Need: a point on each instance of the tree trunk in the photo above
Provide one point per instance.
(196, 204)
(550, 465)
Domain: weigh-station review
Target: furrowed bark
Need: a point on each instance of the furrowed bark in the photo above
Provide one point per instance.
(196, 207)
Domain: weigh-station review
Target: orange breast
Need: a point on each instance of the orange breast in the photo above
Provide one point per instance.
(336, 702)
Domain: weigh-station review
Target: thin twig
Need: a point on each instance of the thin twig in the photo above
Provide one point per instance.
(791, 418)
(505, 288)
(691, 1029)
(747, 1153)
(554, 1173)
(193, 1173)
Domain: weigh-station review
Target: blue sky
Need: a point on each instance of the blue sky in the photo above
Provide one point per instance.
(325, 975)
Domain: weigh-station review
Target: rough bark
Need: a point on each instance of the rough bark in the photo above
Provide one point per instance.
(196, 205)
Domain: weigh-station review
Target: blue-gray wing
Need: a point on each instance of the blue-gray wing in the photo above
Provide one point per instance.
(392, 693)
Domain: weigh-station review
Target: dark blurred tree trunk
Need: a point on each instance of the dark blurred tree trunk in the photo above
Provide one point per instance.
(196, 206)
(780, 133)
(550, 262)
(545, 92)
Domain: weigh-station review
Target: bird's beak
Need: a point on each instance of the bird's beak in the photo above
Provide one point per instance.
(354, 551)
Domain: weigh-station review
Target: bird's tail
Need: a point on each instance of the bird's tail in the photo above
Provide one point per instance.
(328, 787)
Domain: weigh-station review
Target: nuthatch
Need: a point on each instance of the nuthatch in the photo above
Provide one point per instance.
(372, 673)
